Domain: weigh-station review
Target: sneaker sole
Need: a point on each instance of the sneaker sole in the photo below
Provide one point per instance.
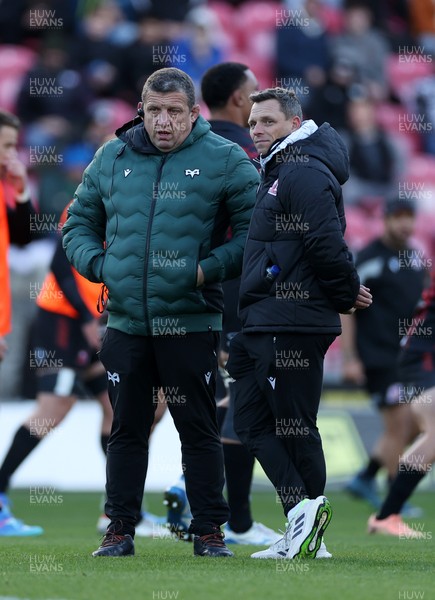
(321, 522)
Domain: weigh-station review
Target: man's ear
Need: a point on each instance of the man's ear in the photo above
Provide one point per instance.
(194, 113)
(296, 123)
(237, 98)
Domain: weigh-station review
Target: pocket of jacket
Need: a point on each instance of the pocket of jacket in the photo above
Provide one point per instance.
(256, 281)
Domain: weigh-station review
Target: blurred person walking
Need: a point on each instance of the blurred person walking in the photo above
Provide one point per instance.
(370, 344)
(15, 211)
(417, 374)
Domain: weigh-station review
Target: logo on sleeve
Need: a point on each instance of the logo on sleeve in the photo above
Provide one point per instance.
(272, 381)
(127, 172)
(113, 377)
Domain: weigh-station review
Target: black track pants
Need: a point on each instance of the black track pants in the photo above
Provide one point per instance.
(185, 367)
(278, 383)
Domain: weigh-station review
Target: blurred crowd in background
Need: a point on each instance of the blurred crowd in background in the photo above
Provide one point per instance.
(73, 71)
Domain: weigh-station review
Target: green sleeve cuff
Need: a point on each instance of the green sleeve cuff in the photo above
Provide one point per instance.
(213, 269)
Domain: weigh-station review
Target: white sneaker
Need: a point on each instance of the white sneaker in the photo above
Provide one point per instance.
(149, 526)
(303, 536)
(257, 535)
(280, 548)
(322, 552)
(153, 526)
(102, 524)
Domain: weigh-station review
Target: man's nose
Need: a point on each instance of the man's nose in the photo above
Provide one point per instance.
(163, 117)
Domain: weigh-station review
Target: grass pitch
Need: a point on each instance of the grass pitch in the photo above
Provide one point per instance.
(59, 565)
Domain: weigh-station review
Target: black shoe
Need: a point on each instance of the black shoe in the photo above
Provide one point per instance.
(210, 544)
(115, 543)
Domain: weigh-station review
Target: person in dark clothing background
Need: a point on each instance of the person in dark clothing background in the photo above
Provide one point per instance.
(375, 161)
(225, 90)
(417, 373)
(297, 276)
(395, 272)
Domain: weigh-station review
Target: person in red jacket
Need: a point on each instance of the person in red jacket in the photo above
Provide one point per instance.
(67, 339)
(15, 211)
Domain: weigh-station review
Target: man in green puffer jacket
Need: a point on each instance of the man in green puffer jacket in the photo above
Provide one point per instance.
(149, 221)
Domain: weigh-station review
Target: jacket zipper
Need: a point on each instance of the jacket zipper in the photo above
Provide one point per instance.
(147, 244)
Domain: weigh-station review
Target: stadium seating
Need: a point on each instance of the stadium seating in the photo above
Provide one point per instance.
(388, 116)
(15, 61)
(404, 70)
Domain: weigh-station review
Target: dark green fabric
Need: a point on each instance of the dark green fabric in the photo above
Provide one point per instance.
(156, 236)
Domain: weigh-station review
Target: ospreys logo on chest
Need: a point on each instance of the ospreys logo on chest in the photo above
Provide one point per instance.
(192, 172)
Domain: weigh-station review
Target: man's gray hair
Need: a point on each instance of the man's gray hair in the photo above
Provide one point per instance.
(7, 119)
(169, 80)
(288, 101)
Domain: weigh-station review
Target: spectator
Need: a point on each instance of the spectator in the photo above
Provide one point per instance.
(422, 17)
(375, 162)
(199, 48)
(53, 98)
(329, 102)
(364, 47)
(302, 51)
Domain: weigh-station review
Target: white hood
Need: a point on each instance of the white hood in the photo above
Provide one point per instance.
(306, 129)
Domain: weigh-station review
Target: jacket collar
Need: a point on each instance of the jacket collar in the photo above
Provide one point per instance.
(133, 133)
(306, 129)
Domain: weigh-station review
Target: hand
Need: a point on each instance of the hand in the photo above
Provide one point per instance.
(353, 371)
(199, 277)
(91, 333)
(364, 298)
(3, 348)
(16, 175)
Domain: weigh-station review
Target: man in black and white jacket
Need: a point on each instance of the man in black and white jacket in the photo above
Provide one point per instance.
(298, 275)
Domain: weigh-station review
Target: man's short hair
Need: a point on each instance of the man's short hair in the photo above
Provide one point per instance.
(288, 101)
(396, 205)
(220, 81)
(169, 80)
(9, 120)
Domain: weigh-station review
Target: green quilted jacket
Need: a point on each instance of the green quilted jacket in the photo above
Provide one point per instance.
(142, 220)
